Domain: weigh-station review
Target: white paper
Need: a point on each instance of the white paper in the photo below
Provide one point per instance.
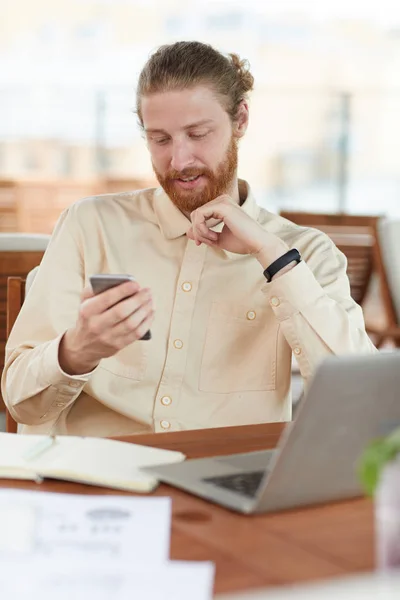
(113, 580)
(373, 586)
(70, 526)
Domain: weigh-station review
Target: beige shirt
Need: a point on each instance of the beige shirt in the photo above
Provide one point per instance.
(222, 338)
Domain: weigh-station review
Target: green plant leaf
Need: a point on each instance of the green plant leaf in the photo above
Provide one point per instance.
(375, 458)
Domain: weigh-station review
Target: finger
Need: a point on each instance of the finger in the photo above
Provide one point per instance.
(124, 309)
(87, 293)
(213, 222)
(205, 232)
(138, 334)
(105, 300)
(194, 229)
(210, 243)
(206, 241)
(201, 228)
(145, 326)
(129, 326)
(215, 210)
(200, 239)
(190, 235)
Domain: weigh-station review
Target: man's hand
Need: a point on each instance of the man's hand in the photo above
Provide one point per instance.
(241, 234)
(106, 323)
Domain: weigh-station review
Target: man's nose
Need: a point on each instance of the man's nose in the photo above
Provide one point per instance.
(182, 156)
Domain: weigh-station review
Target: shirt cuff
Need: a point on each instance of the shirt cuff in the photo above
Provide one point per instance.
(293, 291)
(53, 374)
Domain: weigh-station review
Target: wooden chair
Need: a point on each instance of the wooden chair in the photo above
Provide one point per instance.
(19, 254)
(15, 299)
(387, 262)
(354, 235)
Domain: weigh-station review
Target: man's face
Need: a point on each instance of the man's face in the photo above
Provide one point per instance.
(192, 145)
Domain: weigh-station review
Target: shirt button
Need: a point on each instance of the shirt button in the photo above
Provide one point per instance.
(60, 404)
(74, 384)
(165, 424)
(166, 400)
(251, 315)
(187, 286)
(275, 301)
(297, 351)
(178, 344)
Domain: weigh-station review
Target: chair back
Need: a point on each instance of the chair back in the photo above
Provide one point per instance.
(17, 288)
(354, 235)
(19, 254)
(387, 259)
(15, 299)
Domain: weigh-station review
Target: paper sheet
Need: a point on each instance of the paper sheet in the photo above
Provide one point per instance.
(67, 525)
(112, 580)
(372, 586)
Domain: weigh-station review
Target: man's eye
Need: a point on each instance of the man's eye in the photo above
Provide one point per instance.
(160, 141)
(198, 136)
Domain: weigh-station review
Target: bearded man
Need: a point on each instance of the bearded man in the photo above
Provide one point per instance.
(228, 289)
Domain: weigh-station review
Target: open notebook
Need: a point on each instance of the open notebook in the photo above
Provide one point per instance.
(95, 461)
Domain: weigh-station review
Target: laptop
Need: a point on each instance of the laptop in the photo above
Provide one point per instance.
(350, 401)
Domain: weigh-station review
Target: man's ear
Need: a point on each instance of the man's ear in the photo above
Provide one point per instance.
(242, 120)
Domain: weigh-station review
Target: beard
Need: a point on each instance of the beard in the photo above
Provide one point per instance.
(217, 182)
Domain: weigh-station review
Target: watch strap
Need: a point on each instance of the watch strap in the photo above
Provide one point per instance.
(281, 262)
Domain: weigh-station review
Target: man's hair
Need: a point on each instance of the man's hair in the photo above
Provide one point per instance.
(185, 65)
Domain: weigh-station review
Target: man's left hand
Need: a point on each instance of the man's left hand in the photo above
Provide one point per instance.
(241, 234)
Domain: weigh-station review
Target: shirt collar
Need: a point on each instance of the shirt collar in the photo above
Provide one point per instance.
(174, 224)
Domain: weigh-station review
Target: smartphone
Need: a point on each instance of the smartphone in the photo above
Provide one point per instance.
(104, 281)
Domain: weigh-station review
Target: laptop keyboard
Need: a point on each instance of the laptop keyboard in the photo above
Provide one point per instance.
(246, 484)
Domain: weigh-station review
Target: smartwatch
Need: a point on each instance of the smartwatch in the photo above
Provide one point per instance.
(282, 262)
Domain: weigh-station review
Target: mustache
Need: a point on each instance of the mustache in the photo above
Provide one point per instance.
(190, 172)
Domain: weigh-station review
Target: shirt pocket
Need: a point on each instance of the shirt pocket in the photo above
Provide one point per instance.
(240, 350)
(130, 362)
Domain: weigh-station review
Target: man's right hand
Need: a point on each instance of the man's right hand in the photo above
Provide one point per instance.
(107, 323)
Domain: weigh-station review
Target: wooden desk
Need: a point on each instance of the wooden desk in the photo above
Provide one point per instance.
(252, 551)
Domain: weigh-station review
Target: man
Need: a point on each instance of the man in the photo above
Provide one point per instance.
(235, 288)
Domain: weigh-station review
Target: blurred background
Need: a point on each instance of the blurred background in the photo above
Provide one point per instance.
(325, 125)
(323, 146)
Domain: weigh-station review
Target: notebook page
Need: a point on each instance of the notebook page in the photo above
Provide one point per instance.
(13, 449)
(102, 461)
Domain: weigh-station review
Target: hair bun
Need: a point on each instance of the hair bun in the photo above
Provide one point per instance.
(243, 70)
